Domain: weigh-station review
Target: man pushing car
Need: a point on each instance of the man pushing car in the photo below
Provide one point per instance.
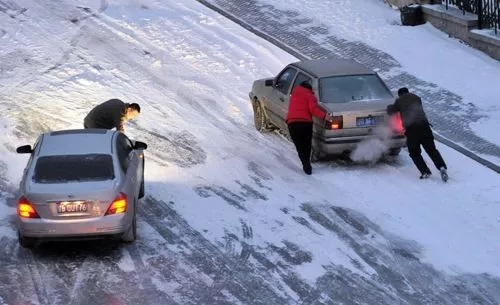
(111, 114)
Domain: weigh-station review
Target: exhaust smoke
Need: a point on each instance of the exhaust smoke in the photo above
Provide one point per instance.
(373, 148)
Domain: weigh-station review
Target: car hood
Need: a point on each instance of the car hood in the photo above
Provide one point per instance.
(93, 190)
(358, 106)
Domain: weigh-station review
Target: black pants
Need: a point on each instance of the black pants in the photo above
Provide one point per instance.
(301, 134)
(421, 135)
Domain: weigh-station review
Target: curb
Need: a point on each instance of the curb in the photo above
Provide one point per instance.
(467, 153)
(300, 56)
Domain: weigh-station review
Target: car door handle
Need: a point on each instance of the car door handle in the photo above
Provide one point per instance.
(282, 99)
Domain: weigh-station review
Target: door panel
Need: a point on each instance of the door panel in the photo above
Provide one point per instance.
(280, 96)
(128, 160)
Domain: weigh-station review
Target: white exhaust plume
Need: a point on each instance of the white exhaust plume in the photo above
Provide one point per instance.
(373, 148)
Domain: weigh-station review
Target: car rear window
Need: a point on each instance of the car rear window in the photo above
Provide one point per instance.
(352, 88)
(71, 168)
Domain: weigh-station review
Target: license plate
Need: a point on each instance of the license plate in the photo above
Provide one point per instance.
(72, 207)
(366, 121)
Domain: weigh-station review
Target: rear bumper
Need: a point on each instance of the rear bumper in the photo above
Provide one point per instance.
(74, 228)
(340, 145)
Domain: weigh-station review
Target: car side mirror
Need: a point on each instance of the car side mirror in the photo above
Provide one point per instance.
(269, 82)
(25, 149)
(140, 145)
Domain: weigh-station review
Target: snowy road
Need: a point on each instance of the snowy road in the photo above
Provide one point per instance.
(229, 217)
(174, 264)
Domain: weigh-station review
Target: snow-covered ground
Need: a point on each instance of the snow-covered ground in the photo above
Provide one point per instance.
(217, 189)
(423, 51)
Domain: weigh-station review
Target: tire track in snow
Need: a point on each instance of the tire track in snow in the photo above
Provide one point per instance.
(242, 249)
(184, 151)
(144, 277)
(401, 276)
(181, 155)
(87, 273)
(209, 110)
(36, 276)
(19, 283)
(11, 9)
(29, 114)
(180, 148)
(228, 274)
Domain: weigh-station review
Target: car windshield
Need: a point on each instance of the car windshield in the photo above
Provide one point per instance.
(344, 89)
(71, 168)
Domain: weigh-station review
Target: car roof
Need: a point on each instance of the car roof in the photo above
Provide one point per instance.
(332, 67)
(76, 142)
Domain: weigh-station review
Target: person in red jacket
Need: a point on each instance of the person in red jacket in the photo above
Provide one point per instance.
(303, 106)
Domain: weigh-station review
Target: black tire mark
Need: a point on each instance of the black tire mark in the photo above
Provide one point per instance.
(229, 273)
(142, 274)
(400, 275)
(246, 244)
(305, 223)
(247, 230)
(7, 7)
(250, 192)
(350, 220)
(229, 240)
(30, 261)
(231, 198)
(179, 148)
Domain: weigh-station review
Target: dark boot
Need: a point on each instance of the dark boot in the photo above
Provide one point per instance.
(425, 175)
(431, 150)
(444, 174)
(307, 169)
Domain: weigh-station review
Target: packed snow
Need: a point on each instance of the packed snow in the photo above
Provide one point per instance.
(191, 69)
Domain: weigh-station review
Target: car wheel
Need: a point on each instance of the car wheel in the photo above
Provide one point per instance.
(26, 242)
(394, 151)
(141, 189)
(130, 235)
(259, 117)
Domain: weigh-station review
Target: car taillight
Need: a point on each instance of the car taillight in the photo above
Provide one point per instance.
(337, 122)
(397, 123)
(118, 206)
(25, 209)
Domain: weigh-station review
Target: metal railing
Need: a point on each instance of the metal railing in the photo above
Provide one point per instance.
(487, 11)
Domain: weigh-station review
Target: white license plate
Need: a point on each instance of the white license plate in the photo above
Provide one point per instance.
(73, 207)
(368, 121)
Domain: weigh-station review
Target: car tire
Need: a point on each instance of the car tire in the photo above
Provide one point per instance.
(394, 151)
(130, 235)
(141, 189)
(26, 242)
(259, 117)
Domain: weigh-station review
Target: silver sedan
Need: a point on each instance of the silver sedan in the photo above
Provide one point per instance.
(354, 94)
(80, 184)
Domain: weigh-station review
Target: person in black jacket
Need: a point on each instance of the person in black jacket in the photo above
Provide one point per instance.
(111, 114)
(418, 132)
